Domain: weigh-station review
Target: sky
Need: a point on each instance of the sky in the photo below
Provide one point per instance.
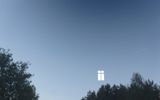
(65, 42)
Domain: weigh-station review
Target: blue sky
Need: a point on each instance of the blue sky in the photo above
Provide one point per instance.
(67, 41)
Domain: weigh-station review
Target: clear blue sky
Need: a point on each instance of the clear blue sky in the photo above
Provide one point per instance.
(67, 41)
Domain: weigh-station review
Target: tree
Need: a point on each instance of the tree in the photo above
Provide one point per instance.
(139, 89)
(90, 96)
(137, 80)
(15, 83)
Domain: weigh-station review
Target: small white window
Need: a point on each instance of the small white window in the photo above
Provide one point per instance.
(100, 75)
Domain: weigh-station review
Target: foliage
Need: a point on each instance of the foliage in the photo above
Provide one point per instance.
(139, 89)
(15, 81)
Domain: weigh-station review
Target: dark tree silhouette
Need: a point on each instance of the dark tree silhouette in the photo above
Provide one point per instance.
(15, 83)
(139, 89)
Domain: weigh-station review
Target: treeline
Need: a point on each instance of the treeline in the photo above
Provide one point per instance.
(138, 89)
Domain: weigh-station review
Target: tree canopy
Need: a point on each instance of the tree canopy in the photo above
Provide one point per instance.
(15, 83)
(138, 89)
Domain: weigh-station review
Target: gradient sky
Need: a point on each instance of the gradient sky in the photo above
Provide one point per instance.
(67, 41)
